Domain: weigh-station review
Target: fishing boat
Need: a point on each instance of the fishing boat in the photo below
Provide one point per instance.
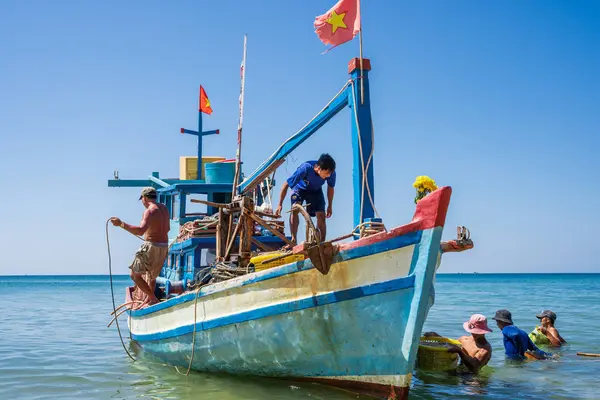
(347, 312)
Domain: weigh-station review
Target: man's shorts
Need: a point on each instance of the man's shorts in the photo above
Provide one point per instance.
(315, 200)
(149, 259)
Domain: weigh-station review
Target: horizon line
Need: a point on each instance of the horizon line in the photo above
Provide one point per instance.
(440, 273)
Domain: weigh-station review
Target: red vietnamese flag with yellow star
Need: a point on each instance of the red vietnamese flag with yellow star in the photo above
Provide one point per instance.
(203, 102)
(340, 24)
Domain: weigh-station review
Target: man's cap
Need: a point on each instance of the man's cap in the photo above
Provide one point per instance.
(503, 316)
(547, 313)
(148, 192)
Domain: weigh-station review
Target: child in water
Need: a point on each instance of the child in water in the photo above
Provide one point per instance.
(546, 334)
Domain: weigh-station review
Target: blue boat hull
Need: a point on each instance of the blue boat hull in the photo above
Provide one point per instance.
(357, 327)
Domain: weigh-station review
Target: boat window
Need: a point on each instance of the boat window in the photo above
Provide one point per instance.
(175, 207)
(167, 203)
(190, 263)
(169, 261)
(195, 209)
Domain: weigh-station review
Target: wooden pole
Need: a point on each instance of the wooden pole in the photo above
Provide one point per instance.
(588, 354)
(222, 234)
(232, 238)
(209, 203)
(238, 153)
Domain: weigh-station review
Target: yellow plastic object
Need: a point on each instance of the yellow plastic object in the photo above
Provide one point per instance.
(261, 262)
(188, 167)
(433, 354)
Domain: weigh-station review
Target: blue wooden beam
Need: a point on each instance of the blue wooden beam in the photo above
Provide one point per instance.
(336, 105)
(144, 182)
(200, 134)
(158, 181)
(196, 133)
(362, 133)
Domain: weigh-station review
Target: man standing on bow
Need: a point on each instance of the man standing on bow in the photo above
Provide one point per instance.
(149, 259)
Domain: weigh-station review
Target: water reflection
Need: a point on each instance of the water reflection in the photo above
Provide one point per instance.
(470, 384)
(150, 378)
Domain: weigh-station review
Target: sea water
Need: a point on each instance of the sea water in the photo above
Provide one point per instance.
(54, 344)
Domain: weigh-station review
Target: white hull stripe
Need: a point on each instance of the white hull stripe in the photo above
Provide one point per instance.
(295, 287)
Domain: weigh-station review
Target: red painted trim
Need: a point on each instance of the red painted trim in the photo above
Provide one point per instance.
(355, 64)
(377, 390)
(430, 213)
(432, 209)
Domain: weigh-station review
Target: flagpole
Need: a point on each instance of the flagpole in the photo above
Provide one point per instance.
(238, 153)
(362, 90)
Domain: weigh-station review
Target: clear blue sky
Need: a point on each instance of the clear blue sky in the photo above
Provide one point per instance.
(498, 99)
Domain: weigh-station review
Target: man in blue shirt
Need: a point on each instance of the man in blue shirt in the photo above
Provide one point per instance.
(306, 185)
(516, 341)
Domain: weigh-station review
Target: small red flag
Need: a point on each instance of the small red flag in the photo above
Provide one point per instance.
(204, 103)
(340, 24)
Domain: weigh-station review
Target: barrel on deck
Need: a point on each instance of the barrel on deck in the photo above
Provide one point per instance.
(220, 172)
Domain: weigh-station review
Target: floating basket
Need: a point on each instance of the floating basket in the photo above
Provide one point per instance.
(433, 354)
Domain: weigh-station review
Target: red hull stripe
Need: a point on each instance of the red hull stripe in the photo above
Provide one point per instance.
(430, 213)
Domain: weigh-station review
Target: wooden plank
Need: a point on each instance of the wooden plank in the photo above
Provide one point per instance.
(588, 354)
(209, 203)
(248, 186)
(264, 214)
(232, 238)
(261, 245)
(273, 231)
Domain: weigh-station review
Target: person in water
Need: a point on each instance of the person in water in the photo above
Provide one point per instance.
(149, 259)
(306, 185)
(546, 333)
(517, 344)
(475, 351)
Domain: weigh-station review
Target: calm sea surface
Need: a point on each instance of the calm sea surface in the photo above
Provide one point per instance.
(54, 344)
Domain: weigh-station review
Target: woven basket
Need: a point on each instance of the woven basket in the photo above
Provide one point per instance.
(433, 354)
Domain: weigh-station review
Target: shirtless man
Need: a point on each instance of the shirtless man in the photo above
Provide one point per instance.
(151, 256)
(475, 351)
